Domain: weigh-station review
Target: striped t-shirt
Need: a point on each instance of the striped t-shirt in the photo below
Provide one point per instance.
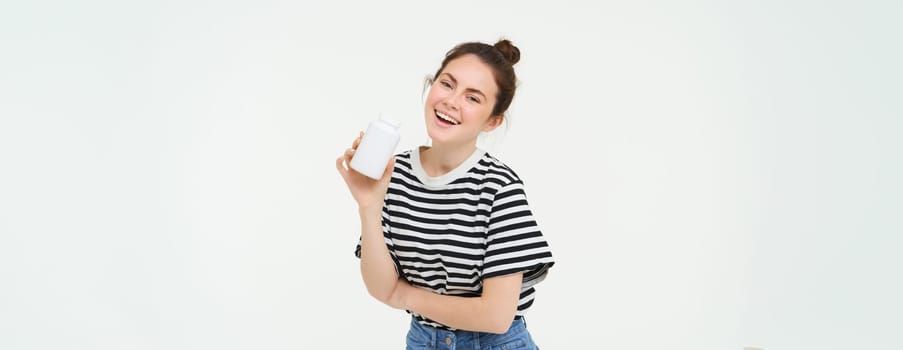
(449, 233)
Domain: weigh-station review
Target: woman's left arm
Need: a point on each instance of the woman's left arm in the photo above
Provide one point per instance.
(492, 312)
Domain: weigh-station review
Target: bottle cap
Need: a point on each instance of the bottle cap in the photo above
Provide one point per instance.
(395, 124)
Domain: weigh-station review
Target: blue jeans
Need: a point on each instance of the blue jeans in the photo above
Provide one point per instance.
(422, 337)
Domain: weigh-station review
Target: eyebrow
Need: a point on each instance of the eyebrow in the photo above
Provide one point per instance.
(452, 77)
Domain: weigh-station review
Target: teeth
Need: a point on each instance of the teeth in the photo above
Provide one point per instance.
(446, 118)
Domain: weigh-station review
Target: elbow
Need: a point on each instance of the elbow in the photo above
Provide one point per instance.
(379, 287)
(381, 294)
(378, 295)
(392, 295)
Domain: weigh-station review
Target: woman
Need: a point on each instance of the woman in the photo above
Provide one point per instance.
(446, 233)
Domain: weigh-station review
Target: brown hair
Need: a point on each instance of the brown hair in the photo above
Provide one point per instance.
(501, 58)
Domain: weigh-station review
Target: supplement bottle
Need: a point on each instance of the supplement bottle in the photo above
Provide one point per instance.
(376, 148)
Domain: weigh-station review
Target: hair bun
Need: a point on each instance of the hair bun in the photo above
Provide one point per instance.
(508, 50)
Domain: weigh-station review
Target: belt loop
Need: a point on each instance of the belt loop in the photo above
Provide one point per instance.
(434, 342)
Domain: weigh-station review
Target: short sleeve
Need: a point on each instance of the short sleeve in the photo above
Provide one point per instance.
(515, 243)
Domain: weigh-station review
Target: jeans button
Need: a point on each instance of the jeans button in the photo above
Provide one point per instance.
(447, 341)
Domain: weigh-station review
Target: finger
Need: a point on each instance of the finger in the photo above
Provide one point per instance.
(340, 165)
(357, 141)
(349, 153)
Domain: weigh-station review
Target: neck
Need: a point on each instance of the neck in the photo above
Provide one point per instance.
(439, 159)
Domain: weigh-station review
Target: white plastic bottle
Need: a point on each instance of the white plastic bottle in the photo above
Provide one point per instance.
(376, 148)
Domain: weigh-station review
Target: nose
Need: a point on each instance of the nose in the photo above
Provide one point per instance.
(451, 101)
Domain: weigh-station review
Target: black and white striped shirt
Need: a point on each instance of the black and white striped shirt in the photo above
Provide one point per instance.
(449, 233)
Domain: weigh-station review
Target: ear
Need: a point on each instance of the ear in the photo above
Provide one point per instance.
(493, 122)
(427, 85)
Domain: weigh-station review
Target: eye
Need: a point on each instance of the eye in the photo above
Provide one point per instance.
(445, 83)
(473, 99)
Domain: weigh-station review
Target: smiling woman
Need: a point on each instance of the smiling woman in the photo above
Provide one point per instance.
(447, 233)
(459, 99)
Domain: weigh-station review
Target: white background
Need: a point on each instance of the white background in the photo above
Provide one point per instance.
(710, 175)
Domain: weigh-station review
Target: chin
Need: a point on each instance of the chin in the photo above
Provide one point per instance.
(435, 135)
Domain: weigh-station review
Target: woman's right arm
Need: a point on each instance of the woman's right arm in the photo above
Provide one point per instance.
(377, 267)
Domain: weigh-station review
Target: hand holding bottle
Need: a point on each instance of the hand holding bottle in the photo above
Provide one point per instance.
(368, 193)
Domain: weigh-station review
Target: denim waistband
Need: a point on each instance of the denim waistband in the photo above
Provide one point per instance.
(423, 337)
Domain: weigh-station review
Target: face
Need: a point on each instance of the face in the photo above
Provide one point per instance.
(460, 102)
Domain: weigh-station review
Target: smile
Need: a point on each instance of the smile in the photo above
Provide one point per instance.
(445, 118)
